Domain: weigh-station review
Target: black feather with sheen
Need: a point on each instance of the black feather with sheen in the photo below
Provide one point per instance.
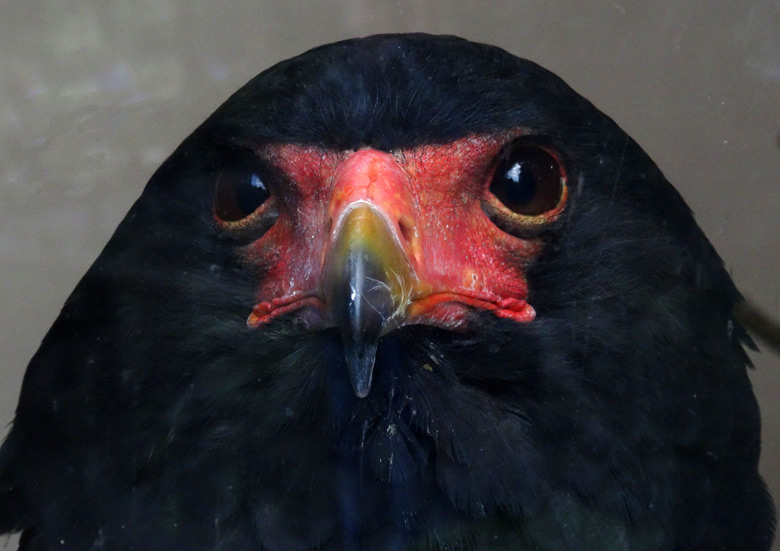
(622, 418)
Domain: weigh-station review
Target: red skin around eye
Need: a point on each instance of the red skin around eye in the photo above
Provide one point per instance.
(431, 197)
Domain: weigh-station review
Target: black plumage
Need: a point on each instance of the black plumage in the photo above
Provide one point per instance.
(621, 418)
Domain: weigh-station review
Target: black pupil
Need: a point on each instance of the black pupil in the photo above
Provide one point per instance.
(520, 183)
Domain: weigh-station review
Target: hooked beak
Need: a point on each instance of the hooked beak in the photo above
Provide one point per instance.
(367, 280)
(367, 283)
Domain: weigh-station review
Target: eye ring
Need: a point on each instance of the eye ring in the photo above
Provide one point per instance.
(526, 187)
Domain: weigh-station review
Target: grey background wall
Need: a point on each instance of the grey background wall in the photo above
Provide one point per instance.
(95, 94)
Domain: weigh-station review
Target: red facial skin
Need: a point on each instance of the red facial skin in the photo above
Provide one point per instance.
(434, 200)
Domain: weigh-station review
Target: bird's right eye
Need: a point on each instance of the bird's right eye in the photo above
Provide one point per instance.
(528, 181)
(241, 190)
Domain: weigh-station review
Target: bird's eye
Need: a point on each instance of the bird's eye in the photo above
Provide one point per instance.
(528, 180)
(241, 190)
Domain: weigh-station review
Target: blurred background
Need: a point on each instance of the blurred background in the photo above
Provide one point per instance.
(95, 94)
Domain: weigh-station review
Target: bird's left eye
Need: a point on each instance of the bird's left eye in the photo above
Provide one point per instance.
(241, 190)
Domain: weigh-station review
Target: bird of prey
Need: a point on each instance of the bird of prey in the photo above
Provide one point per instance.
(405, 292)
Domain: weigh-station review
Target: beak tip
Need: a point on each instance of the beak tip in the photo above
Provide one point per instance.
(360, 364)
(361, 392)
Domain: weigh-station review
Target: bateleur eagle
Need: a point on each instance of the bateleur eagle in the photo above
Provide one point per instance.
(400, 292)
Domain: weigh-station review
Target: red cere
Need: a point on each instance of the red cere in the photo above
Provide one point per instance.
(432, 199)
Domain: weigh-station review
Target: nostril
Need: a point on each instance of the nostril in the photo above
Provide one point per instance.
(407, 229)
